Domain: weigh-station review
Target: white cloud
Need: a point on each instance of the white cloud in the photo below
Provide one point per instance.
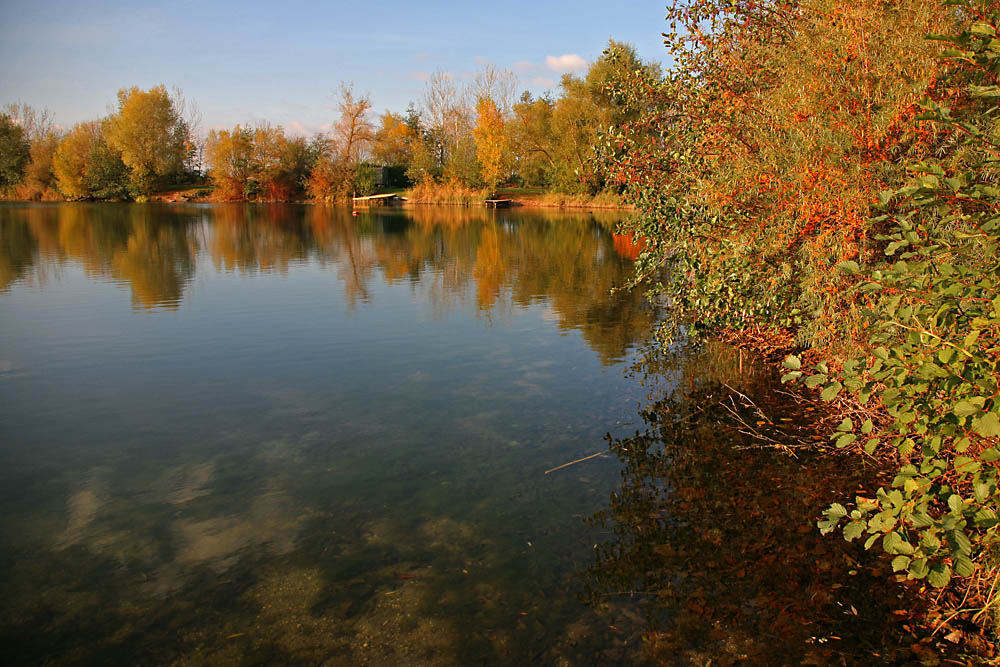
(542, 82)
(420, 76)
(482, 61)
(569, 62)
(297, 129)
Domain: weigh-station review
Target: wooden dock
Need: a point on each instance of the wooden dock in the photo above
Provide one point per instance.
(379, 200)
(499, 203)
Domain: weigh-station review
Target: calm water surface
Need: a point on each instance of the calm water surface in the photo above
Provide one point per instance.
(281, 433)
(286, 435)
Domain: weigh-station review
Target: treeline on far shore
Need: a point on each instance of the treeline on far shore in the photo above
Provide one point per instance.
(457, 144)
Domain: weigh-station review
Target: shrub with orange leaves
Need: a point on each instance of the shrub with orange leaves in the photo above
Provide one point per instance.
(758, 159)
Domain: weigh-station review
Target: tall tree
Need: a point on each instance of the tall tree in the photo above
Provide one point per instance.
(447, 115)
(353, 133)
(150, 134)
(500, 85)
(532, 139)
(492, 145)
(43, 138)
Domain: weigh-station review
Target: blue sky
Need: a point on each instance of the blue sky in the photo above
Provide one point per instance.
(282, 61)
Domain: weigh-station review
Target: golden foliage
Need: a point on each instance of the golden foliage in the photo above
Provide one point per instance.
(492, 143)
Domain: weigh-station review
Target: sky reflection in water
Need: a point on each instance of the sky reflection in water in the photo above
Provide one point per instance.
(283, 433)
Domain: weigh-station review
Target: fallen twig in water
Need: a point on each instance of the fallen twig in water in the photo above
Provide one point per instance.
(566, 465)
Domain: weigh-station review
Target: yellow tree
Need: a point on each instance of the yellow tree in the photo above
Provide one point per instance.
(150, 134)
(69, 164)
(492, 144)
(228, 156)
(394, 140)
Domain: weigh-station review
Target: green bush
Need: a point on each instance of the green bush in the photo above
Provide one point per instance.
(934, 318)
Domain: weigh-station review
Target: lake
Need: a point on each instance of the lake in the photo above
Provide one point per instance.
(289, 434)
(255, 434)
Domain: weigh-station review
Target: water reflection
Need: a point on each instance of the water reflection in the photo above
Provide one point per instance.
(311, 438)
(715, 533)
(501, 260)
(137, 245)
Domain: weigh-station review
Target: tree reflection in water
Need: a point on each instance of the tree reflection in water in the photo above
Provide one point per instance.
(714, 534)
(501, 260)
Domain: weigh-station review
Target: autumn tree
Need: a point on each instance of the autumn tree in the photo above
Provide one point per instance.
(335, 175)
(85, 167)
(394, 140)
(150, 134)
(258, 163)
(39, 178)
(492, 145)
(228, 155)
(70, 160)
(43, 138)
(532, 139)
(353, 133)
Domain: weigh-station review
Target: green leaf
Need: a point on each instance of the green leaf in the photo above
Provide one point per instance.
(900, 563)
(990, 455)
(845, 440)
(963, 566)
(988, 425)
(966, 465)
(871, 445)
(964, 408)
(831, 392)
(816, 380)
(792, 362)
(846, 425)
(961, 542)
(893, 543)
(836, 511)
(986, 518)
(853, 530)
(939, 575)
(918, 568)
(788, 377)
(850, 267)
(955, 503)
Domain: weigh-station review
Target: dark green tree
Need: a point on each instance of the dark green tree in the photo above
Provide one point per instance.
(14, 152)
